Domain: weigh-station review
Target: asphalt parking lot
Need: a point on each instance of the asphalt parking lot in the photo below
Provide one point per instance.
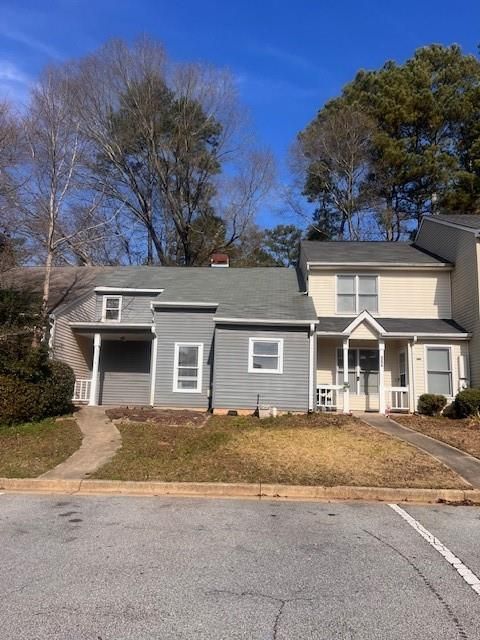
(118, 568)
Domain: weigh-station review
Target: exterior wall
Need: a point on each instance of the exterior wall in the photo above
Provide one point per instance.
(401, 294)
(458, 348)
(363, 332)
(235, 388)
(182, 325)
(135, 308)
(76, 351)
(124, 372)
(462, 248)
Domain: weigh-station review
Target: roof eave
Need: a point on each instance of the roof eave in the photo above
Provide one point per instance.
(445, 266)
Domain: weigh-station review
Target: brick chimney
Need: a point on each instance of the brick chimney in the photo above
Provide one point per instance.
(219, 260)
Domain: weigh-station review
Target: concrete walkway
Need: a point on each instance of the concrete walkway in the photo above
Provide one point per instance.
(101, 439)
(462, 463)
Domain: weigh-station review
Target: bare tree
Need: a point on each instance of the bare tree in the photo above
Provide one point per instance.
(60, 214)
(332, 155)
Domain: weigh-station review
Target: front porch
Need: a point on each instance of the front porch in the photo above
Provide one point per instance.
(119, 361)
(364, 375)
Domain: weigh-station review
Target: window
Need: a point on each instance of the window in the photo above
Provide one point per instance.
(402, 365)
(187, 371)
(439, 370)
(357, 293)
(362, 370)
(112, 308)
(265, 355)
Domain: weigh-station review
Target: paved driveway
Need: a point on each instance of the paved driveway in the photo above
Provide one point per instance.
(112, 568)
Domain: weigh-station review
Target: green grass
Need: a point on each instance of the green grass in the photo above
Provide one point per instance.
(30, 449)
(324, 450)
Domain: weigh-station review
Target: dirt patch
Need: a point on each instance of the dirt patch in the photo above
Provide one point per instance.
(463, 434)
(316, 449)
(160, 417)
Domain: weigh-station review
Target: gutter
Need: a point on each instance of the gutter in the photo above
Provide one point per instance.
(266, 321)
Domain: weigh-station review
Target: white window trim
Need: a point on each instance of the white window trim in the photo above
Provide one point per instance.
(200, 367)
(251, 342)
(356, 276)
(104, 308)
(453, 379)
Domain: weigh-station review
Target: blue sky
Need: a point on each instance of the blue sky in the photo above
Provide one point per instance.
(288, 56)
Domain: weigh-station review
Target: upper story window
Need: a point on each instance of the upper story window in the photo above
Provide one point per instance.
(112, 308)
(357, 293)
(265, 355)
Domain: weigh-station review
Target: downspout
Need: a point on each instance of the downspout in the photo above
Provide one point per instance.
(311, 377)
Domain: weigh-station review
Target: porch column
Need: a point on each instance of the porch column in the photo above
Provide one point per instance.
(411, 380)
(97, 340)
(346, 390)
(381, 375)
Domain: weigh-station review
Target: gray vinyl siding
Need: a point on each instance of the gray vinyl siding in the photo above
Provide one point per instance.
(236, 388)
(182, 325)
(135, 308)
(461, 248)
(124, 372)
(76, 351)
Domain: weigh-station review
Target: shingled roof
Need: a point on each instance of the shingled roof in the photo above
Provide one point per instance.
(262, 293)
(430, 326)
(377, 252)
(464, 220)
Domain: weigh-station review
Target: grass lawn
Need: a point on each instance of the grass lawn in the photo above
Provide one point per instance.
(30, 449)
(311, 450)
(463, 434)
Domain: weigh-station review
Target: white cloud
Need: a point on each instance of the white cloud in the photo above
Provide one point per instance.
(10, 72)
(28, 41)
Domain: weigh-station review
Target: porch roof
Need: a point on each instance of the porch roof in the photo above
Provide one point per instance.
(336, 325)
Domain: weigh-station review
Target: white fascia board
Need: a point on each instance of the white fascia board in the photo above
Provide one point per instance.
(305, 323)
(110, 325)
(161, 303)
(387, 266)
(436, 336)
(126, 290)
(364, 316)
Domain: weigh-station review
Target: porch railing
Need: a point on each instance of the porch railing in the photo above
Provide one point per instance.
(328, 397)
(397, 398)
(81, 391)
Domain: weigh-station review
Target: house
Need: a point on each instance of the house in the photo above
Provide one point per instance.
(359, 326)
(198, 337)
(386, 331)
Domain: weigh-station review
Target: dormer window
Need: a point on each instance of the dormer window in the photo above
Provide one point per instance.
(357, 293)
(112, 308)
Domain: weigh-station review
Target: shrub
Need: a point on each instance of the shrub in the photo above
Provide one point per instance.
(431, 404)
(467, 403)
(450, 411)
(24, 399)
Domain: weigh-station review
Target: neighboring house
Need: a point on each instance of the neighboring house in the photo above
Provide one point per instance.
(359, 326)
(199, 337)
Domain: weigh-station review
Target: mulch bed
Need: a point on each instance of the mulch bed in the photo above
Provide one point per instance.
(160, 417)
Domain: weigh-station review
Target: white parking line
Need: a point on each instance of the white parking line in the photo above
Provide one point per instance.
(470, 578)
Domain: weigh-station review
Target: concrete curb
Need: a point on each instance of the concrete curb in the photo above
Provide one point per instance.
(237, 490)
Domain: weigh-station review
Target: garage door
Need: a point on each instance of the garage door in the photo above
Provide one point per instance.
(124, 376)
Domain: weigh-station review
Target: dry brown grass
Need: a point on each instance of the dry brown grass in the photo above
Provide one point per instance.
(324, 450)
(28, 450)
(463, 434)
